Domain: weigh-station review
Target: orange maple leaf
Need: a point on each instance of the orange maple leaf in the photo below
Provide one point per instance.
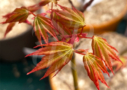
(104, 51)
(71, 18)
(93, 66)
(57, 55)
(18, 15)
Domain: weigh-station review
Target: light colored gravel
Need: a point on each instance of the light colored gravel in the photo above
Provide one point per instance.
(104, 11)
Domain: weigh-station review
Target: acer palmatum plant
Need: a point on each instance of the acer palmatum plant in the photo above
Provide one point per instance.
(66, 23)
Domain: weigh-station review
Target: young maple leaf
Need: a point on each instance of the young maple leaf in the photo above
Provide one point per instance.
(93, 66)
(119, 65)
(57, 55)
(42, 25)
(18, 15)
(71, 18)
(104, 51)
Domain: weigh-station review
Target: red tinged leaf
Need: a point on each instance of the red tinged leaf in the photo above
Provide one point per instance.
(58, 26)
(104, 51)
(42, 25)
(60, 29)
(57, 55)
(93, 66)
(70, 18)
(18, 15)
(9, 28)
(119, 65)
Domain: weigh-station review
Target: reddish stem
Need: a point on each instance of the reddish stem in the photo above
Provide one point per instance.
(87, 5)
(32, 13)
(71, 3)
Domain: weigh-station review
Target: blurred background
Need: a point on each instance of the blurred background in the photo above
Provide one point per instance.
(106, 18)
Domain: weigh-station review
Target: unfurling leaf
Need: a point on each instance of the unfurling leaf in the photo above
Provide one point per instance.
(118, 64)
(71, 18)
(93, 66)
(18, 15)
(42, 25)
(104, 51)
(57, 55)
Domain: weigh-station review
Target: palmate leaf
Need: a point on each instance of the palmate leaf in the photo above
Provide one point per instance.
(42, 25)
(118, 64)
(71, 18)
(104, 51)
(18, 15)
(57, 55)
(67, 34)
(93, 66)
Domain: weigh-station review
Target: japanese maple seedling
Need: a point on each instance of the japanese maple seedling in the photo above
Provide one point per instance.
(64, 22)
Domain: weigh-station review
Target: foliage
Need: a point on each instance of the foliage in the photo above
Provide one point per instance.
(64, 22)
(94, 66)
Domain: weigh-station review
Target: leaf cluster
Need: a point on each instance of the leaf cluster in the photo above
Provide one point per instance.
(66, 23)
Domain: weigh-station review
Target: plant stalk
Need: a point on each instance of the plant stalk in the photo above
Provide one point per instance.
(71, 3)
(74, 72)
(86, 5)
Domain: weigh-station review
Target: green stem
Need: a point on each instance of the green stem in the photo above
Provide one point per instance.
(74, 73)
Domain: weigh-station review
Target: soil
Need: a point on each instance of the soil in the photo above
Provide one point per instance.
(64, 81)
(104, 11)
(7, 6)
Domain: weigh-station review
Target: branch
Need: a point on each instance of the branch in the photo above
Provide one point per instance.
(72, 5)
(87, 5)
